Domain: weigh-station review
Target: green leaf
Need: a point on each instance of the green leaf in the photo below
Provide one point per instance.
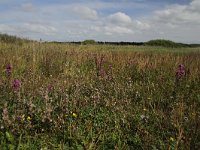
(9, 137)
(11, 147)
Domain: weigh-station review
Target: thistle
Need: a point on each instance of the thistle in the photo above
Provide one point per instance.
(16, 84)
(9, 70)
(99, 64)
(180, 72)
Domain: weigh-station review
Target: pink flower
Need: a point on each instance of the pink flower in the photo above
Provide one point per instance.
(180, 72)
(50, 88)
(16, 84)
(9, 69)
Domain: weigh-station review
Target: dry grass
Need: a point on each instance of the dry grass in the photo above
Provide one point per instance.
(99, 97)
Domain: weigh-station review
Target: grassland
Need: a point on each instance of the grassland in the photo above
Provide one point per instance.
(85, 97)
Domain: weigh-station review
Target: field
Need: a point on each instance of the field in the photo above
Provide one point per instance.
(104, 97)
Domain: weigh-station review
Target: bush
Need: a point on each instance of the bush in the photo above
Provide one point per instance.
(11, 39)
(165, 43)
(89, 42)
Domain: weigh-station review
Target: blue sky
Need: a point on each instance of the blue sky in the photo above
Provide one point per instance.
(102, 20)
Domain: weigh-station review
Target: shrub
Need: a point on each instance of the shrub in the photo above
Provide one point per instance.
(89, 42)
(165, 43)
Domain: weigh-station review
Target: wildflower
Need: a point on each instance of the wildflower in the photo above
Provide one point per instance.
(186, 118)
(5, 115)
(16, 84)
(110, 66)
(28, 118)
(74, 115)
(149, 98)
(50, 88)
(99, 64)
(102, 73)
(22, 117)
(2, 127)
(193, 114)
(110, 72)
(171, 139)
(180, 72)
(145, 109)
(144, 118)
(9, 69)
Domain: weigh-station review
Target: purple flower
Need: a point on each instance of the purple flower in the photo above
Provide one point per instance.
(9, 69)
(101, 60)
(110, 72)
(180, 72)
(16, 84)
(99, 64)
(50, 88)
(110, 66)
(102, 73)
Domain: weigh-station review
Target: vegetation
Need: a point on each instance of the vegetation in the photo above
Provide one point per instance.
(65, 96)
(168, 43)
(89, 42)
(5, 38)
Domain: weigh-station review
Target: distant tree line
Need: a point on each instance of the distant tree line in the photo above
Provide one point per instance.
(168, 43)
(12, 39)
(86, 42)
(158, 42)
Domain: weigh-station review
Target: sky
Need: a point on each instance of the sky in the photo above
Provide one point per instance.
(102, 20)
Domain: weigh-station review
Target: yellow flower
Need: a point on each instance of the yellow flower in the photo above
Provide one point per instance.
(29, 118)
(149, 98)
(145, 109)
(171, 139)
(74, 115)
(23, 118)
(193, 114)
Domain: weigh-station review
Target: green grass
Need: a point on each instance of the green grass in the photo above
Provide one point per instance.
(69, 99)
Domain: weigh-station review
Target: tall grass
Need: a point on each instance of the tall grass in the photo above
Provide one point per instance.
(98, 97)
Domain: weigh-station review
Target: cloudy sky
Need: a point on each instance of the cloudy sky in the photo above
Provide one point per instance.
(102, 20)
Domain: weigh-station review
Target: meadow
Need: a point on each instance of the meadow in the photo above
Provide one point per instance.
(102, 97)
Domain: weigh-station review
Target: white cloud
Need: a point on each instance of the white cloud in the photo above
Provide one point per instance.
(95, 28)
(6, 28)
(180, 14)
(110, 30)
(120, 18)
(194, 6)
(175, 22)
(39, 28)
(122, 24)
(85, 12)
(28, 28)
(82, 20)
(142, 25)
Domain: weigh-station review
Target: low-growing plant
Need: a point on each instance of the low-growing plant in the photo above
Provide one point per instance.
(55, 96)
